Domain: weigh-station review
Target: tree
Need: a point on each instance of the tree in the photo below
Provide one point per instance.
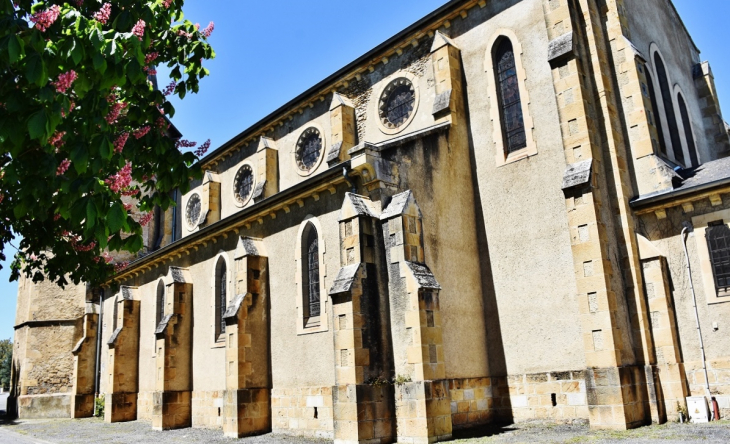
(83, 132)
(6, 362)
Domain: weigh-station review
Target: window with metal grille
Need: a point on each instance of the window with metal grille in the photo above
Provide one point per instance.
(311, 273)
(508, 88)
(718, 244)
(655, 112)
(689, 137)
(669, 108)
(309, 149)
(244, 184)
(400, 104)
(160, 303)
(221, 303)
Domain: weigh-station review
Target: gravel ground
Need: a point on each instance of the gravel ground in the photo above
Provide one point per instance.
(95, 430)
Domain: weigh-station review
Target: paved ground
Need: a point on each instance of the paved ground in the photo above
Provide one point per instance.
(94, 430)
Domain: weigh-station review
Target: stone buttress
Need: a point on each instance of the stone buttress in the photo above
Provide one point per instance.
(247, 399)
(172, 399)
(423, 404)
(82, 403)
(123, 365)
(362, 398)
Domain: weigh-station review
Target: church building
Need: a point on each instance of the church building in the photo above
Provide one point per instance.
(512, 210)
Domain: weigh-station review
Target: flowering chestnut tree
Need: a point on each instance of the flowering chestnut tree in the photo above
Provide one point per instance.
(84, 135)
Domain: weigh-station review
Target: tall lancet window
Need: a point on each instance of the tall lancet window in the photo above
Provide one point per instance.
(508, 91)
(718, 244)
(160, 311)
(221, 301)
(661, 73)
(689, 137)
(310, 273)
(655, 112)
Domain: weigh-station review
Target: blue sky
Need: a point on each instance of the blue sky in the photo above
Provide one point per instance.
(270, 52)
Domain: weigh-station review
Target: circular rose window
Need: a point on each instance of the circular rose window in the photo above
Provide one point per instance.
(309, 149)
(243, 184)
(193, 210)
(397, 103)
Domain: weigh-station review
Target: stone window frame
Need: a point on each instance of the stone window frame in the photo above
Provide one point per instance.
(323, 325)
(318, 163)
(219, 340)
(700, 224)
(677, 92)
(495, 115)
(375, 104)
(661, 113)
(160, 282)
(253, 184)
(192, 228)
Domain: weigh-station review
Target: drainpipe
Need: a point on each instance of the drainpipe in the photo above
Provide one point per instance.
(99, 331)
(687, 228)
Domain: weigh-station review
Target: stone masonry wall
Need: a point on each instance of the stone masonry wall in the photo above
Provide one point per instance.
(208, 409)
(303, 411)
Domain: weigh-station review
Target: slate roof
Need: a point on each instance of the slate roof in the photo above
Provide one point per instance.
(705, 176)
(397, 205)
(163, 324)
(345, 279)
(235, 305)
(423, 275)
(360, 206)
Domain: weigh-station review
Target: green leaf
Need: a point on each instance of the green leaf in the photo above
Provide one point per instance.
(105, 148)
(91, 214)
(77, 52)
(21, 209)
(35, 70)
(97, 39)
(117, 217)
(46, 94)
(99, 63)
(38, 125)
(80, 158)
(15, 48)
(133, 243)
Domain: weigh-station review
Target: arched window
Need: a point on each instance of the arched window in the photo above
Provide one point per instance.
(718, 245)
(689, 137)
(221, 301)
(160, 311)
(310, 272)
(508, 92)
(669, 108)
(655, 111)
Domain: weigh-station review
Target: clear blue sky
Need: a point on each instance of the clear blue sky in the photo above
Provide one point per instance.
(270, 52)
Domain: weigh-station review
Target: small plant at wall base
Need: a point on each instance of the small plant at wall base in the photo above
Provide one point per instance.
(84, 135)
(99, 406)
(682, 412)
(6, 362)
(401, 379)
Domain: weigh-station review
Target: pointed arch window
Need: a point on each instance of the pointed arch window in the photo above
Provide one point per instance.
(160, 311)
(718, 244)
(689, 137)
(655, 111)
(221, 301)
(508, 92)
(310, 274)
(669, 108)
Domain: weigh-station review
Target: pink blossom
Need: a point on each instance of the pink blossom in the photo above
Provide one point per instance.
(145, 219)
(169, 88)
(71, 107)
(79, 3)
(167, 3)
(197, 26)
(162, 123)
(114, 112)
(151, 57)
(182, 143)
(140, 133)
(120, 142)
(200, 152)
(138, 29)
(127, 207)
(56, 217)
(120, 181)
(150, 71)
(104, 13)
(82, 248)
(182, 33)
(2, 197)
(57, 139)
(120, 266)
(44, 19)
(65, 163)
(65, 81)
(209, 30)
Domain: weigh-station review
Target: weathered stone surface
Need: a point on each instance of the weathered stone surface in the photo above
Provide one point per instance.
(561, 47)
(577, 174)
